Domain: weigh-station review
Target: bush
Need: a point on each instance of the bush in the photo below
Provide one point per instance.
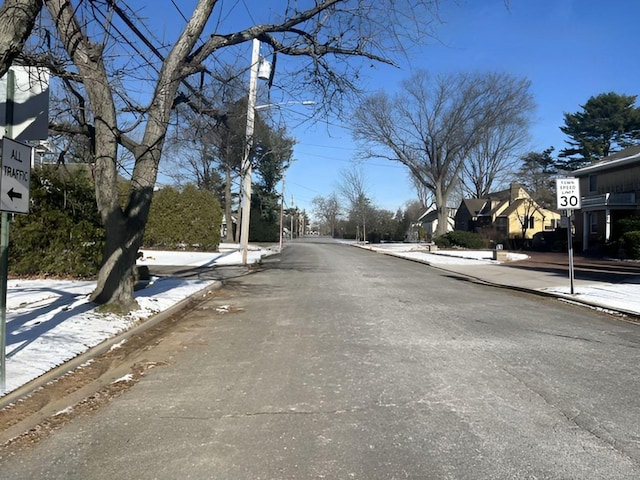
(187, 218)
(264, 222)
(493, 235)
(462, 239)
(629, 224)
(62, 235)
(630, 243)
(550, 241)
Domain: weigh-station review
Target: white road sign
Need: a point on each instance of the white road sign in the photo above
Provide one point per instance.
(568, 193)
(14, 178)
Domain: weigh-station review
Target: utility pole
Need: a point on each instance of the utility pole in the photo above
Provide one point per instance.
(246, 159)
(291, 218)
(282, 214)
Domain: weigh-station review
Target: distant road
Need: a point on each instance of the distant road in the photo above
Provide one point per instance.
(339, 363)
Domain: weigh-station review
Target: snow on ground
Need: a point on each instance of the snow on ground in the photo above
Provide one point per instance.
(442, 257)
(229, 255)
(51, 321)
(621, 297)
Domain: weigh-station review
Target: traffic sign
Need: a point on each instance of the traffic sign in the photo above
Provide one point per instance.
(568, 193)
(14, 178)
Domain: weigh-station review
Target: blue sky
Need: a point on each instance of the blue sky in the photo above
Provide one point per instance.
(569, 49)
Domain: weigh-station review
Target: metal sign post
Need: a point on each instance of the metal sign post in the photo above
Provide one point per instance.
(570, 249)
(568, 198)
(4, 274)
(25, 114)
(15, 170)
(4, 244)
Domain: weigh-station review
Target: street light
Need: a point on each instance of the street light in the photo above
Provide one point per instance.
(284, 104)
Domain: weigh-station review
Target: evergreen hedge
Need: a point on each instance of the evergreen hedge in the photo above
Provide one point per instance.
(630, 242)
(62, 235)
(629, 224)
(264, 222)
(462, 239)
(184, 219)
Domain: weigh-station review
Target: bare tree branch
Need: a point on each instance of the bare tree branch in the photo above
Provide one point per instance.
(435, 125)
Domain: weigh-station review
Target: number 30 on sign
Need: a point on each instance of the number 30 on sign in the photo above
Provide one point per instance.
(568, 193)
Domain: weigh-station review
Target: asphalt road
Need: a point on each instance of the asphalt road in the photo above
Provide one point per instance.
(338, 363)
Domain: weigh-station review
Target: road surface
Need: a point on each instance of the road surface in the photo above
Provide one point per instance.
(339, 363)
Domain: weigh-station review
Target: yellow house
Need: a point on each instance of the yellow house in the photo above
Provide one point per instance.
(512, 213)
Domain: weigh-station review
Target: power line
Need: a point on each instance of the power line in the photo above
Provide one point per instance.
(248, 12)
(179, 11)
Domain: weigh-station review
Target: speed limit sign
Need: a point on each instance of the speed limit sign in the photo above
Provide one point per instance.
(568, 193)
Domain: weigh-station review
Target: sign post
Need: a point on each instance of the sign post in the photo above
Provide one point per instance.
(568, 198)
(15, 171)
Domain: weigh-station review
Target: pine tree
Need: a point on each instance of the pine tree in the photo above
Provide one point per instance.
(607, 123)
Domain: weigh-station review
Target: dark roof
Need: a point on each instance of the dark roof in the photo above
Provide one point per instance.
(432, 215)
(628, 156)
(474, 205)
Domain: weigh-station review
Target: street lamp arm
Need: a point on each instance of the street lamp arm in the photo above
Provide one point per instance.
(282, 104)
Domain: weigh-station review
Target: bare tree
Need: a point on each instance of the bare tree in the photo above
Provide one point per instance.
(219, 140)
(526, 216)
(315, 39)
(423, 193)
(354, 189)
(327, 209)
(210, 156)
(537, 175)
(434, 124)
(496, 157)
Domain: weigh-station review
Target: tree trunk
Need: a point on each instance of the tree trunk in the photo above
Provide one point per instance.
(443, 215)
(17, 18)
(124, 229)
(117, 276)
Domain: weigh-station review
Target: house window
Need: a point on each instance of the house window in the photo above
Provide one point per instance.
(553, 224)
(593, 183)
(501, 224)
(593, 223)
(526, 221)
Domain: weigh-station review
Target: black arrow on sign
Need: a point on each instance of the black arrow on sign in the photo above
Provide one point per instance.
(13, 194)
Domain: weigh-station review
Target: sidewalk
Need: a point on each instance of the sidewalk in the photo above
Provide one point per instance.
(605, 284)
